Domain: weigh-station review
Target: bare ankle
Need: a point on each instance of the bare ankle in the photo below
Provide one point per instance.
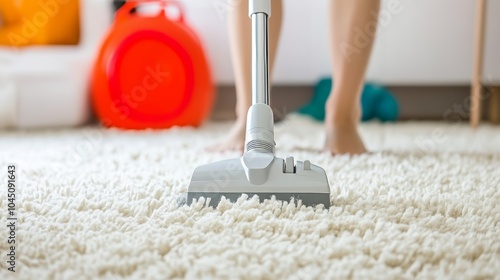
(342, 120)
(342, 116)
(241, 122)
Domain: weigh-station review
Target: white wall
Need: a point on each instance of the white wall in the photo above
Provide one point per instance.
(427, 42)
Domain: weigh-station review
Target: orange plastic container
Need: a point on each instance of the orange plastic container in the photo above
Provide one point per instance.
(50, 22)
(151, 72)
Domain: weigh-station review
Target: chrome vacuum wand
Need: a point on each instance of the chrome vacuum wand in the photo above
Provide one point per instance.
(260, 12)
(259, 140)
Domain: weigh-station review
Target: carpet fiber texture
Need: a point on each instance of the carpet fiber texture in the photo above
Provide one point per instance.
(95, 203)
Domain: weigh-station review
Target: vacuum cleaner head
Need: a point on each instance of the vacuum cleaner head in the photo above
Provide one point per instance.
(302, 181)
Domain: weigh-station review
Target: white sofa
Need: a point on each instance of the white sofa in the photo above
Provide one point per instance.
(48, 86)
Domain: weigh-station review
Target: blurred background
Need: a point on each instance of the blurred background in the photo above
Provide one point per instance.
(55, 62)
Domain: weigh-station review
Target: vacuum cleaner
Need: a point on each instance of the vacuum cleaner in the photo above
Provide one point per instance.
(258, 171)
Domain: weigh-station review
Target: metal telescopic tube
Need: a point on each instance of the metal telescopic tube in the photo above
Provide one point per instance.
(260, 58)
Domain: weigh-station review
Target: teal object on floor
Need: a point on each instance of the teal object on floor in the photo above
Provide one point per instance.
(376, 102)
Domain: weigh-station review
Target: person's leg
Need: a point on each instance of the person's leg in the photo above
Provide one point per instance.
(240, 36)
(353, 24)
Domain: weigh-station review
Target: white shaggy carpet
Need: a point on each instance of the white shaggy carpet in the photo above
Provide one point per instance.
(99, 203)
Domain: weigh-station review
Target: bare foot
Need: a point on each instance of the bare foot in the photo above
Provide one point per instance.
(341, 127)
(344, 141)
(234, 140)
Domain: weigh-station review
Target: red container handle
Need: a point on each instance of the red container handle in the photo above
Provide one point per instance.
(125, 12)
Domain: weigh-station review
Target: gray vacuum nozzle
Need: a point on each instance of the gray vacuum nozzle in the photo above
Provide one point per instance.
(229, 179)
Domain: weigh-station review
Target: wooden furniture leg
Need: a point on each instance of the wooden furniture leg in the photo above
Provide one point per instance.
(478, 63)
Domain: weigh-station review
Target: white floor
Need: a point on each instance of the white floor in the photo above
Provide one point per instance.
(97, 203)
